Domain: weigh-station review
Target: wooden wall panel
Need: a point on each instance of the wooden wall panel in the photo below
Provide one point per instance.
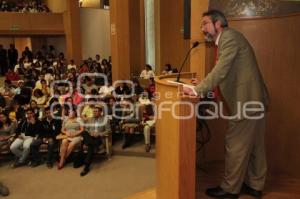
(197, 60)
(119, 19)
(31, 23)
(21, 43)
(127, 38)
(72, 30)
(276, 44)
(170, 45)
(37, 43)
(137, 36)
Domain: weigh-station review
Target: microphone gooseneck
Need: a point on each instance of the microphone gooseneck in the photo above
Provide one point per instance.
(195, 44)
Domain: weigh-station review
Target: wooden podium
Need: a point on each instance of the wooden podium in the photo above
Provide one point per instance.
(175, 139)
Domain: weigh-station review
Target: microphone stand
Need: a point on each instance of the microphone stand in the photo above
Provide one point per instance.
(195, 44)
(183, 63)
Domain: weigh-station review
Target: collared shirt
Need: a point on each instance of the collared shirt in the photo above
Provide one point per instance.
(100, 126)
(218, 39)
(87, 111)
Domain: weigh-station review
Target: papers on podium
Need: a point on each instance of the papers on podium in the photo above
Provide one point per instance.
(187, 86)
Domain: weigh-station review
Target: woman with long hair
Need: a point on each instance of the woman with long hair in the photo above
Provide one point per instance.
(7, 129)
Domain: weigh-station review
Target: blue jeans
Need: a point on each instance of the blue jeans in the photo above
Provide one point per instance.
(21, 148)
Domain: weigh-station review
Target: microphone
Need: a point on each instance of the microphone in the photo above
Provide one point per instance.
(195, 44)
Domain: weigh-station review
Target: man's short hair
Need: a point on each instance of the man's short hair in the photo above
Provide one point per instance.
(215, 16)
(100, 108)
(92, 99)
(31, 110)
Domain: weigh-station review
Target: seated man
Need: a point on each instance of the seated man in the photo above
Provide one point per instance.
(95, 128)
(87, 111)
(26, 131)
(51, 128)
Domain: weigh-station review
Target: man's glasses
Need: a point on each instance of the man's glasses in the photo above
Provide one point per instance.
(205, 23)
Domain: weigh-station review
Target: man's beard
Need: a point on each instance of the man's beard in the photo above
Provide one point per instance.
(208, 37)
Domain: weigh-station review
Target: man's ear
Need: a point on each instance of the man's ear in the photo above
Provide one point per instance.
(218, 25)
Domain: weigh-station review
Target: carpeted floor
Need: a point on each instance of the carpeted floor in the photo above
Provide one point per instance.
(109, 179)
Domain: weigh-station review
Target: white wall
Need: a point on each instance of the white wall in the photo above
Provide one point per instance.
(90, 3)
(150, 33)
(95, 32)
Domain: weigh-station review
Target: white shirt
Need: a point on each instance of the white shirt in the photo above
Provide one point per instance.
(49, 78)
(71, 66)
(218, 39)
(106, 90)
(147, 74)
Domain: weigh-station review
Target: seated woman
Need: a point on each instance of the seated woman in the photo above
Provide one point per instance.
(72, 128)
(15, 111)
(12, 75)
(106, 90)
(77, 97)
(167, 70)
(7, 129)
(138, 89)
(45, 88)
(147, 73)
(36, 110)
(7, 90)
(39, 97)
(131, 120)
(148, 123)
(144, 98)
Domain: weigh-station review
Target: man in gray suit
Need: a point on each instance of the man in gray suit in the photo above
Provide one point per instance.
(245, 96)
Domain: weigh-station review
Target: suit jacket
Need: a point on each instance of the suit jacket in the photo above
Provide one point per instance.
(236, 73)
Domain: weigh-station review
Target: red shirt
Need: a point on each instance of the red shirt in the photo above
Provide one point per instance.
(12, 76)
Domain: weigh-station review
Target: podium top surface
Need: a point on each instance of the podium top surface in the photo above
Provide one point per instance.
(170, 79)
(167, 81)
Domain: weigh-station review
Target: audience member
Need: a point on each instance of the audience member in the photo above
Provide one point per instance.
(12, 75)
(7, 129)
(33, 93)
(51, 128)
(95, 128)
(26, 131)
(12, 56)
(32, 6)
(147, 73)
(72, 128)
(3, 60)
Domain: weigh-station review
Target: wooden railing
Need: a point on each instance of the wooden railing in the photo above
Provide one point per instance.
(13, 23)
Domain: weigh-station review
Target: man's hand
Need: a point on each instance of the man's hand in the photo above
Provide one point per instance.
(195, 81)
(188, 91)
